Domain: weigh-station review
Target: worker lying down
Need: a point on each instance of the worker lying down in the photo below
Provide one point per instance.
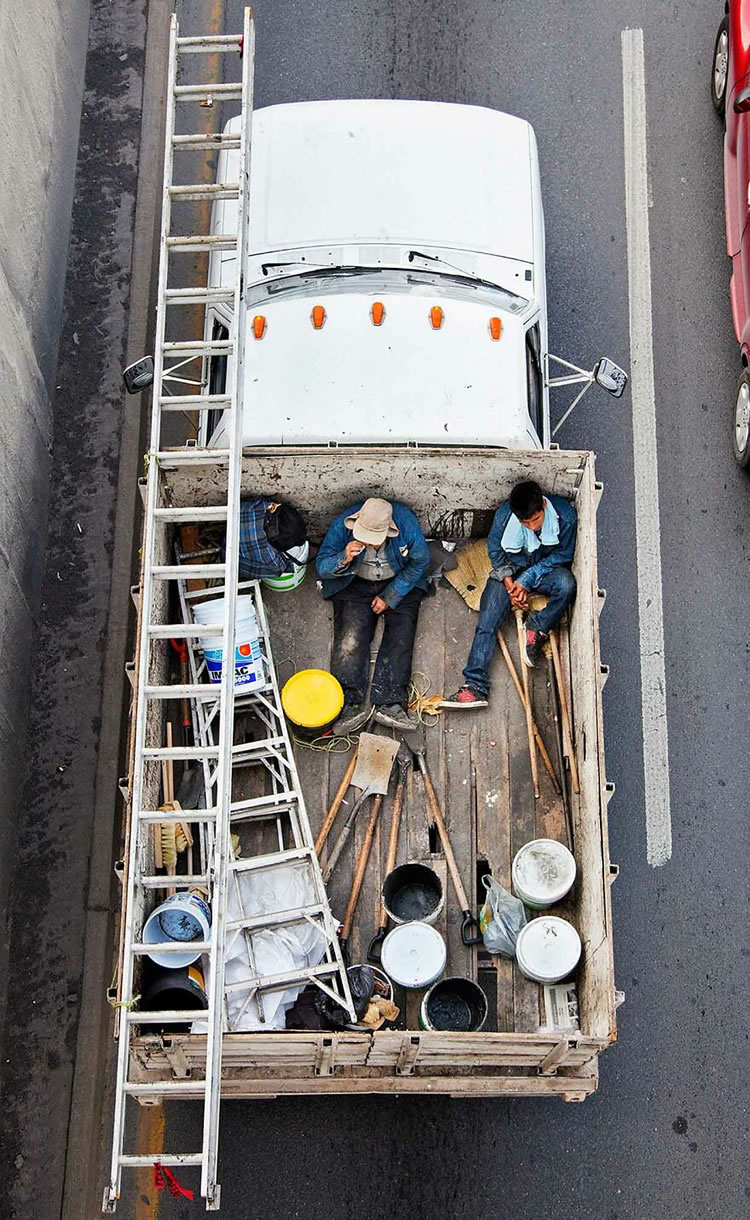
(373, 563)
(531, 546)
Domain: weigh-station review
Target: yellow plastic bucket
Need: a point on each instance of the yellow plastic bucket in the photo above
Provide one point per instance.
(312, 700)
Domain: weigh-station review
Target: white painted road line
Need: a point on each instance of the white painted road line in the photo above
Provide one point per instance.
(647, 530)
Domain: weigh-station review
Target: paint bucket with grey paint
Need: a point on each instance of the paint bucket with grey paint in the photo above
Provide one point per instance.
(413, 891)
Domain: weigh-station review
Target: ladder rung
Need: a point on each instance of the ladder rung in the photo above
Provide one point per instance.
(193, 690)
(163, 1017)
(172, 946)
(273, 860)
(276, 919)
(174, 458)
(155, 1089)
(181, 753)
(205, 190)
(148, 816)
(184, 631)
(198, 347)
(210, 241)
(210, 139)
(189, 571)
(263, 744)
(192, 44)
(199, 296)
(145, 1161)
(178, 402)
(212, 513)
(277, 981)
(261, 802)
(197, 93)
(175, 881)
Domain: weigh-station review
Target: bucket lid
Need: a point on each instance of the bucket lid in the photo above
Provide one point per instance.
(414, 954)
(312, 698)
(549, 946)
(543, 870)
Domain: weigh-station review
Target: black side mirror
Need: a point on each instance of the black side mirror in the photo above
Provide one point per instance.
(742, 102)
(139, 376)
(610, 377)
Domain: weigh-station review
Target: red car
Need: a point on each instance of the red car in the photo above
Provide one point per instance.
(730, 93)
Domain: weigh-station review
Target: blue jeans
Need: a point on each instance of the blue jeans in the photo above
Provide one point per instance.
(560, 586)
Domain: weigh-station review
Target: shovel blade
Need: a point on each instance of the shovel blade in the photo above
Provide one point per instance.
(374, 763)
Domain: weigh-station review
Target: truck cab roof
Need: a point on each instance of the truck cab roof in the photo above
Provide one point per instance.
(404, 203)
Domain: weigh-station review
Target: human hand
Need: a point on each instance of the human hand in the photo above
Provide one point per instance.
(353, 549)
(519, 596)
(377, 605)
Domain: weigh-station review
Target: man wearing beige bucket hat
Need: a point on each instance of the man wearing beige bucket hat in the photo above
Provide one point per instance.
(373, 562)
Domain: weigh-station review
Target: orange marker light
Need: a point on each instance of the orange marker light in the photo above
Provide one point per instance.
(318, 316)
(496, 328)
(259, 326)
(377, 313)
(436, 317)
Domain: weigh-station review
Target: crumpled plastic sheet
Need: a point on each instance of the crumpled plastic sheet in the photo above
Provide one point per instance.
(275, 950)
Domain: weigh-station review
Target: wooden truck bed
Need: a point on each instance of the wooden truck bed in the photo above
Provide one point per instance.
(479, 764)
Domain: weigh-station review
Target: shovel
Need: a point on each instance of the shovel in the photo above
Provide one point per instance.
(373, 771)
(470, 933)
(403, 758)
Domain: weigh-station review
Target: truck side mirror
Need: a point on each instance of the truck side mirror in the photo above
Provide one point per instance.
(139, 376)
(610, 376)
(742, 102)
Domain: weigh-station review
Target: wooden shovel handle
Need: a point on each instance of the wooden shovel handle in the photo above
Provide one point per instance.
(567, 735)
(359, 876)
(527, 702)
(330, 817)
(392, 852)
(439, 820)
(519, 691)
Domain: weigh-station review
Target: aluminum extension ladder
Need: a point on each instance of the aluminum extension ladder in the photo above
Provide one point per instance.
(213, 706)
(172, 361)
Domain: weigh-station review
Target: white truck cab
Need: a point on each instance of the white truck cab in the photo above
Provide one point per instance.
(397, 286)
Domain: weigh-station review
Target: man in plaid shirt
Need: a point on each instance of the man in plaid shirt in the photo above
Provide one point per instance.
(257, 557)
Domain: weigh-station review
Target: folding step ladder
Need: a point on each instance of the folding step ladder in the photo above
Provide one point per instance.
(177, 354)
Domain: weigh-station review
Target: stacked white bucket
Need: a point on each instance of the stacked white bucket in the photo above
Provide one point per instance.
(249, 669)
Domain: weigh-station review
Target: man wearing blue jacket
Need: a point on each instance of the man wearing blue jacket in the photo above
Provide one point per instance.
(531, 547)
(373, 561)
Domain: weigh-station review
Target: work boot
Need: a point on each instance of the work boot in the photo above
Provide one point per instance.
(535, 641)
(466, 698)
(395, 717)
(354, 716)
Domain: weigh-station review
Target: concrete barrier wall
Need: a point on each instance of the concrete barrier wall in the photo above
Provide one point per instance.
(42, 62)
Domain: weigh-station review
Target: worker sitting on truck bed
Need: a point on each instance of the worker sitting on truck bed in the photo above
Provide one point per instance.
(531, 546)
(373, 561)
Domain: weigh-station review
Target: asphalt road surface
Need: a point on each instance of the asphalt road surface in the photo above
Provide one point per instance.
(665, 1135)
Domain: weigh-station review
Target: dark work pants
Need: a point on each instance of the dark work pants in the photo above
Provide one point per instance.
(354, 626)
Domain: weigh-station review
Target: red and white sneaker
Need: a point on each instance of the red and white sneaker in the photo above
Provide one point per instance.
(466, 699)
(535, 641)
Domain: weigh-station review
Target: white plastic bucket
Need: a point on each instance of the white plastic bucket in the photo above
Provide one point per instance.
(249, 669)
(548, 949)
(543, 872)
(182, 917)
(290, 580)
(414, 954)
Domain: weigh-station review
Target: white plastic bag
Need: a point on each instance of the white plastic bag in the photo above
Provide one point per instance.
(500, 919)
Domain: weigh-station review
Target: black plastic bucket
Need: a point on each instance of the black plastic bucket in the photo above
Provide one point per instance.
(413, 891)
(454, 1004)
(181, 990)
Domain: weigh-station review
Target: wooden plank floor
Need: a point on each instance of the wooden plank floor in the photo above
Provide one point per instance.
(479, 764)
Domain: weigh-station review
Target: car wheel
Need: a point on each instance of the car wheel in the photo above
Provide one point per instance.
(720, 67)
(741, 421)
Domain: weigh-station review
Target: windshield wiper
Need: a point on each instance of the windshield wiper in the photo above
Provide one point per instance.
(464, 274)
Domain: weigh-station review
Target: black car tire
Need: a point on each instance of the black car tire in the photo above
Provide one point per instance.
(721, 48)
(741, 421)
